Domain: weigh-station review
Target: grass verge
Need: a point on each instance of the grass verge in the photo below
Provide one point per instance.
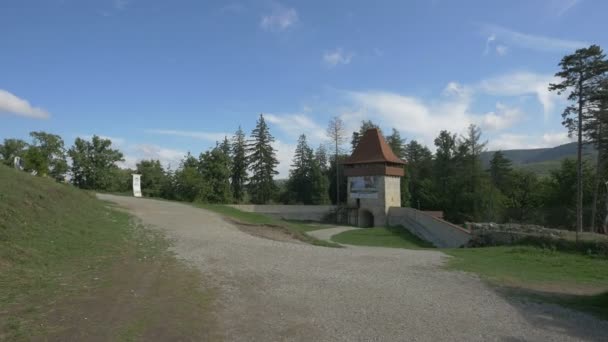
(394, 237)
(71, 268)
(296, 229)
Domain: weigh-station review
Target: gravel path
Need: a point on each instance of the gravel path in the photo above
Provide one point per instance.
(280, 291)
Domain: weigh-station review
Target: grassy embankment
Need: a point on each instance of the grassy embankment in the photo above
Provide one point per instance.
(572, 279)
(296, 229)
(73, 268)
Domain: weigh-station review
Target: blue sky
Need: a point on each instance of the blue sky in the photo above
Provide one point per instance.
(165, 77)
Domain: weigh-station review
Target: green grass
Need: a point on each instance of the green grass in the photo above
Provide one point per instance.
(395, 237)
(530, 265)
(50, 232)
(299, 229)
(65, 253)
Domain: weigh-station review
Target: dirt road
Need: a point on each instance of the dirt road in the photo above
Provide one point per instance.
(280, 291)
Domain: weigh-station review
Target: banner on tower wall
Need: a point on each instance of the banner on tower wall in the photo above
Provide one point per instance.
(363, 187)
(136, 185)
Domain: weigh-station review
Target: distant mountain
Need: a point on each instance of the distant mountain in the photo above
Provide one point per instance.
(540, 160)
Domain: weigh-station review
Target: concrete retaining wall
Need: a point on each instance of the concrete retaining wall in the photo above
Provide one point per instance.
(434, 230)
(288, 212)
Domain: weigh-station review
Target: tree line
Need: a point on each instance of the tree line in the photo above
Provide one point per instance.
(242, 169)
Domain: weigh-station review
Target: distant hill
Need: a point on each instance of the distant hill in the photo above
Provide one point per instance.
(540, 160)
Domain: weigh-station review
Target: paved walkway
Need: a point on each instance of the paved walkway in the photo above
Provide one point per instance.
(280, 291)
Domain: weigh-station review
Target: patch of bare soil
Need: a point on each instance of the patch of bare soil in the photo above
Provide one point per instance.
(266, 231)
(555, 288)
(138, 299)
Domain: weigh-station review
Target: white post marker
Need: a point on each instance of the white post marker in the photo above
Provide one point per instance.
(136, 185)
(17, 163)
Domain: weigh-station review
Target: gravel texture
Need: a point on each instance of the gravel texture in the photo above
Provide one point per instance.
(280, 291)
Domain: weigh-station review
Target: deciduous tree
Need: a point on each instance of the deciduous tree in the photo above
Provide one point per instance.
(12, 148)
(93, 162)
(50, 147)
(337, 133)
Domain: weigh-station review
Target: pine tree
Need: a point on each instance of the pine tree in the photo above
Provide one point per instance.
(522, 195)
(226, 148)
(582, 74)
(307, 183)
(596, 132)
(321, 157)
(299, 183)
(444, 163)
(419, 170)
(238, 172)
(262, 163)
(475, 192)
(396, 143)
(319, 184)
(500, 169)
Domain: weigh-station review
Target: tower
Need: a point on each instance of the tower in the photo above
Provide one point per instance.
(373, 174)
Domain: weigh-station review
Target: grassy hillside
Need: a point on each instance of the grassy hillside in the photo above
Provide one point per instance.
(66, 256)
(540, 160)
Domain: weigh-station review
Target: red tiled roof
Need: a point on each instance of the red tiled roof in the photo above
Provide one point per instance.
(372, 148)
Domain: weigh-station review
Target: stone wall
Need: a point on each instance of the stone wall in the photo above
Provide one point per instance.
(289, 212)
(440, 233)
(492, 234)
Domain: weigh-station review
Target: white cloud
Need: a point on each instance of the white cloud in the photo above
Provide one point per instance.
(12, 104)
(456, 89)
(508, 141)
(284, 154)
(420, 120)
(136, 153)
(337, 56)
(280, 19)
(489, 42)
(208, 136)
(503, 118)
(501, 50)
(296, 124)
(121, 4)
(523, 83)
(562, 6)
(530, 41)
(554, 139)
